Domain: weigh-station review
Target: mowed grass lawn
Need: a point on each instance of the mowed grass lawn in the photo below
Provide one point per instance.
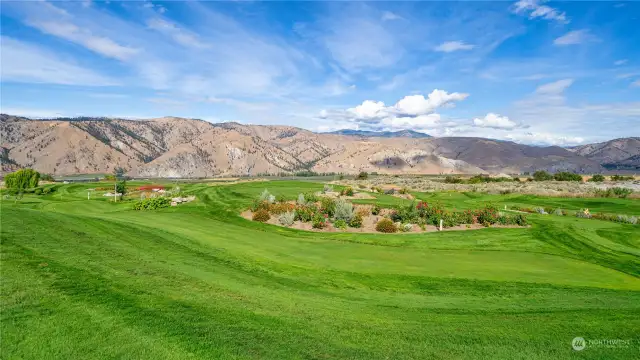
(90, 279)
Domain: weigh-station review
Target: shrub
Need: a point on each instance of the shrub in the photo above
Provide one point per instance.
(260, 204)
(311, 197)
(304, 213)
(520, 220)
(281, 198)
(264, 196)
(328, 206)
(348, 191)
(261, 215)
(542, 175)
(327, 188)
(301, 200)
(567, 176)
(539, 210)
(453, 180)
(584, 213)
(386, 226)
(38, 191)
(377, 189)
(356, 221)
(343, 210)
(559, 212)
(287, 218)
(319, 221)
(621, 192)
(48, 190)
(375, 210)
(362, 186)
(340, 224)
(406, 227)
(505, 192)
(362, 176)
(390, 191)
(621, 178)
(280, 208)
(47, 177)
(403, 191)
(487, 215)
(152, 203)
(597, 178)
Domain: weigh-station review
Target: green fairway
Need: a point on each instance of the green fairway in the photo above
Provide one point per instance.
(94, 279)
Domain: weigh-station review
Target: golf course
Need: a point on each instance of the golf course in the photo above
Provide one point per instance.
(85, 277)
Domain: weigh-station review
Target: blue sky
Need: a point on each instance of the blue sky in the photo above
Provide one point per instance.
(530, 71)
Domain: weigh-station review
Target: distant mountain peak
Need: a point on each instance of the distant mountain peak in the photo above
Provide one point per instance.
(385, 134)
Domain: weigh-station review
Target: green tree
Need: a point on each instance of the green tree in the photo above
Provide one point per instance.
(542, 175)
(121, 187)
(22, 179)
(362, 176)
(597, 178)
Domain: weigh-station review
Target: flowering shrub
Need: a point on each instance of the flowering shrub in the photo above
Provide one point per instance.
(328, 206)
(386, 226)
(356, 221)
(305, 213)
(320, 220)
(487, 215)
(261, 215)
(279, 208)
(375, 210)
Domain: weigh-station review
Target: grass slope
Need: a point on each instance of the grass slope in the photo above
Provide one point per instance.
(94, 280)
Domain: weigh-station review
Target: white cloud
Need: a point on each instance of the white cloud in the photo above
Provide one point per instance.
(636, 83)
(24, 62)
(545, 139)
(181, 36)
(575, 37)
(388, 15)
(620, 62)
(419, 105)
(410, 112)
(536, 10)
(554, 88)
(73, 33)
(492, 120)
(451, 46)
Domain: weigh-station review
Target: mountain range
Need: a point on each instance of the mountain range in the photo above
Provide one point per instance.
(179, 147)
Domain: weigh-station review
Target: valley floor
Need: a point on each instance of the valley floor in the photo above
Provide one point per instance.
(94, 279)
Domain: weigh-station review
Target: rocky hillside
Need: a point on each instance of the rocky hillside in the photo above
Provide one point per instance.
(177, 147)
(619, 154)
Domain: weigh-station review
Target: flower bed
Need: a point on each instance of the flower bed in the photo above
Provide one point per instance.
(332, 215)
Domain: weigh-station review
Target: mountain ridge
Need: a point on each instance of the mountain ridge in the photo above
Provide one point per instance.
(179, 147)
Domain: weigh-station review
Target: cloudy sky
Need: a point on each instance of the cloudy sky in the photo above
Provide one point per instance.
(530, 71)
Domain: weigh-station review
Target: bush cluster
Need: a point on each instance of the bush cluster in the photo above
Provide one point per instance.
(348, 191)
(386, 226)
(621, 178)
(597, 178)
(261, 215)
(152, 203)
(613, 192)
(567, 176)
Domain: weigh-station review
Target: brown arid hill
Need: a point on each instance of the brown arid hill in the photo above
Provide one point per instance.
(178, 147)
(622, 154)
